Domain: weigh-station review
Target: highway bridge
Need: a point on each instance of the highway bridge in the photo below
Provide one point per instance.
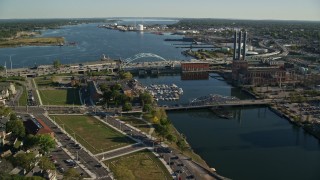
(216, 104)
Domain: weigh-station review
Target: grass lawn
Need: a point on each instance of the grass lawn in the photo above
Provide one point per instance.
(92, 134)
(36, 41)
(141, 165)
(133, 121)
(60, 97)
(43, 81)
(23, 97)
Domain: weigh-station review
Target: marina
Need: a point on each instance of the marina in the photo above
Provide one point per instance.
(165, 92)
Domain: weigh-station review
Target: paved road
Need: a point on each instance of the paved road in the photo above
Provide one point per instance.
(85, 158)
(176, 161)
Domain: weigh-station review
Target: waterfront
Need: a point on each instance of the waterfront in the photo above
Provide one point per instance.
(92, 42)
(256, 144)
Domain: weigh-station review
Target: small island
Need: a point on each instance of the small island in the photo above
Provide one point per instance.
(33, 41)
(17, 33)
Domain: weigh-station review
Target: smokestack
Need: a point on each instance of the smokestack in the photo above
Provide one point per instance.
(244, 45)
(239, 45)
(235, 45)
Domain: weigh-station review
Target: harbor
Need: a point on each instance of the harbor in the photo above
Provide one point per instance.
(165, 92)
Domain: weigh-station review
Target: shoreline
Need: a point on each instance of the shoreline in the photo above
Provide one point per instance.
(283, 115)
(33, 41)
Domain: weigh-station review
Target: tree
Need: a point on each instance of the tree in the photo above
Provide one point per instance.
(147, 108)
(16, 127)
(182, 144)
(25, 160)
(56, 63)
(125, 75)
(146, 98)
(5, 111)
(171, 138)
(13, 117)
(46, 164)
(2, 68)
(30, 141)
(71, 174)
(45, 142)
(127, 106)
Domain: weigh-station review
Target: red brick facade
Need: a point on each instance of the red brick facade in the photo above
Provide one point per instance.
(195, 66)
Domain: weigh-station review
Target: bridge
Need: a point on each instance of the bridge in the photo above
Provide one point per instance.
(230, 104)
(214, 100)
(152, 65)
(137, 57)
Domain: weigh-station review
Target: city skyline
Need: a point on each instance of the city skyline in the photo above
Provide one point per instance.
(247, 9)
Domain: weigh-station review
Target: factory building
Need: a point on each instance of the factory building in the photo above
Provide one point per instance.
(243, 74)
(195, 67)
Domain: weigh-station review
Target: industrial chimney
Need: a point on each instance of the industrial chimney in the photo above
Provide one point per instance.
(244, 46)
(235, 45)
(239, 45)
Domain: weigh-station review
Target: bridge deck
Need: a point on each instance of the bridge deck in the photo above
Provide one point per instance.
(231, 103)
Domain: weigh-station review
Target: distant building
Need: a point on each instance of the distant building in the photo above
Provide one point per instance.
(37, 127)
(7, 89)
(140, 27)
(195, 67)
(242, 74)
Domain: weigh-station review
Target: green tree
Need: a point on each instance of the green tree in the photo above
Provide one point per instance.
(125, 75)
(2, 68)
(71, 174)
(127, 106)
(147, 108)
(46, 164)
(5, 111)
(13, 117)
(45, 142)
(25, 160)
(182, 144)
(30, 141)
(145, 98)
(16, 127)
(171, 138)
(56, 63)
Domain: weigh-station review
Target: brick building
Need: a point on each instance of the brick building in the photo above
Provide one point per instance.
(194, 66)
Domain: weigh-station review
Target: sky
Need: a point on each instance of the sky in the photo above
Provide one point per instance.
(229, 9)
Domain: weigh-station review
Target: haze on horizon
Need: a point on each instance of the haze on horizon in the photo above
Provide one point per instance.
(232, 9)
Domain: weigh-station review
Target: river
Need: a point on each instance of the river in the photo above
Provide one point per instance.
(254, 144)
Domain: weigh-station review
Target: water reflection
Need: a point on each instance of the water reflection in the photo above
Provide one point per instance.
(194, 76)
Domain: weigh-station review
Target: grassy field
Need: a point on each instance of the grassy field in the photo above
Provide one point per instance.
(188, 152)
(23, 97)
(60, 97)
(141, 165)
(38, 41)
(43, 81)
(92, 134)
(133, 121)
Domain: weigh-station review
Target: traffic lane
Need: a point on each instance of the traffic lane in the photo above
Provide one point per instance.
(86, 159)
(175, 164)
(58, 156)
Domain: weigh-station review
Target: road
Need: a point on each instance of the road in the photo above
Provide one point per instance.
(181, 165)
(91, 163)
